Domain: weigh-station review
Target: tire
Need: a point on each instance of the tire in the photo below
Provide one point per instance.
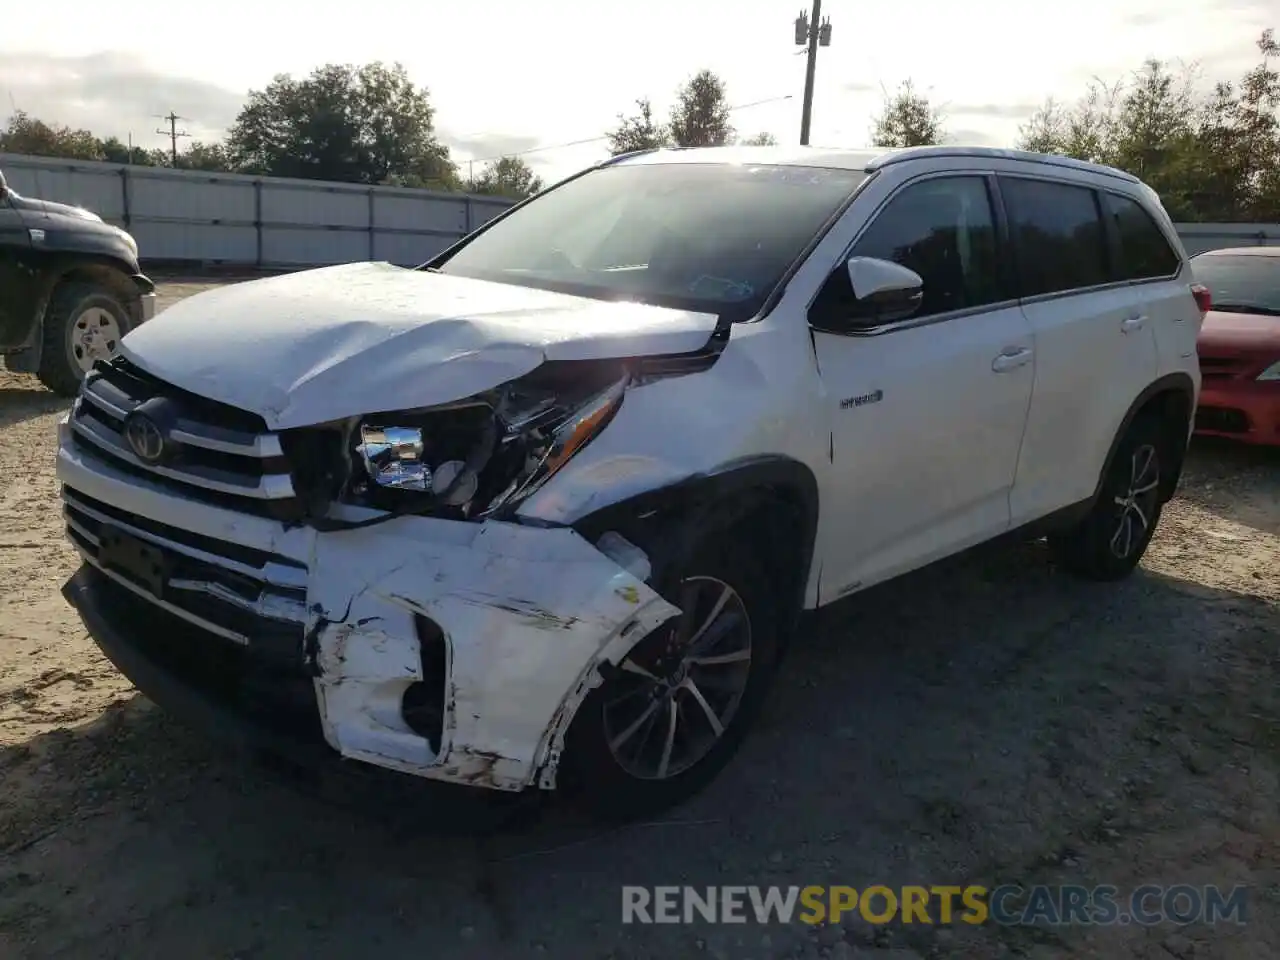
(623, 782)
(84, 320)
(1110, 541)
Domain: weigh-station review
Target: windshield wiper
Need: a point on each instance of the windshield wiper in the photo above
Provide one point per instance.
(1253, 308)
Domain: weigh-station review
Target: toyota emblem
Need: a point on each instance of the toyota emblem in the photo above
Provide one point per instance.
(146, 439)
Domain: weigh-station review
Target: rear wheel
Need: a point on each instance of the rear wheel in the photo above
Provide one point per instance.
(85, 323)
(673, 713)
(1113, 537)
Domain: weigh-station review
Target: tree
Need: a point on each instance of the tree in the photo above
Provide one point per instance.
(761, 140)
(214, 157)
(701, 114)
(353, 124)
(908, 119)
(508, 177)
(25, 134)
(1213, 156)
(114, 150)
(638, 132)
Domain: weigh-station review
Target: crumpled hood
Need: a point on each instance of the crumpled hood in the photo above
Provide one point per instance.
(323, 344)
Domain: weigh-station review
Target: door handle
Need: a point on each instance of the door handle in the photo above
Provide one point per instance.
(1134, 323)
(1011, 360)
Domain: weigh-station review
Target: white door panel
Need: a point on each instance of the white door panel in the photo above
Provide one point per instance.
(925, 442)
(1094, 334)
(926, 415)
(1089, 369)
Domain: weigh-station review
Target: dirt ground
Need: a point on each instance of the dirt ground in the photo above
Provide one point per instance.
(987, 720)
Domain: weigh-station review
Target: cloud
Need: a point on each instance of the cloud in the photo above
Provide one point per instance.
(994, 111)
(973, 138)
(112, 94)
(1145, 18)
(486, 145)
(861, 86)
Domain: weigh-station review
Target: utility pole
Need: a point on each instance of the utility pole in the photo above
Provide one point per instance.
(811, 29)
(173, 133)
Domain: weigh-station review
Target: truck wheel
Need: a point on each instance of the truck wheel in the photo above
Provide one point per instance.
(1112, 538)
(673, 713)
(85, 322)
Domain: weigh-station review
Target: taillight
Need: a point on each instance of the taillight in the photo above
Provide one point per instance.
(1203, 298)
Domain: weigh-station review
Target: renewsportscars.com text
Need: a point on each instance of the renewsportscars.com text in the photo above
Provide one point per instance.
(1007, 905)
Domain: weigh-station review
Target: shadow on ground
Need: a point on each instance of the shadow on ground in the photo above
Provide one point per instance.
(1235, 481)
(24, 403)
(986, 720)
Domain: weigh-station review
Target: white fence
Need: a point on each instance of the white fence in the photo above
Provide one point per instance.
(183, 215)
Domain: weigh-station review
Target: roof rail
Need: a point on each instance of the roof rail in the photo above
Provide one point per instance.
(999, 153)
(618, 158)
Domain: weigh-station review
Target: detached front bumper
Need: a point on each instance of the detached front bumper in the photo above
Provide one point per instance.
(448, 650)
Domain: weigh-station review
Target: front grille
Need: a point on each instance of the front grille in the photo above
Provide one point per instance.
(213, 452)
(1222, 420)
(247, 596)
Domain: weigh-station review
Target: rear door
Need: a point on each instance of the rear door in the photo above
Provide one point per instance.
(1160, 283)
(1095, 346)
(17, 282)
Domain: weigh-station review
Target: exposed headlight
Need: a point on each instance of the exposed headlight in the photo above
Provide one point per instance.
(1271, 373)
(566, 438)
(393, 457)
(484, 454)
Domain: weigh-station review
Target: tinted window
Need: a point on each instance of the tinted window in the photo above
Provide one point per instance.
(1057, 233)
(943, 229)
(1241, 284)
(711, 237)
(1144, 252)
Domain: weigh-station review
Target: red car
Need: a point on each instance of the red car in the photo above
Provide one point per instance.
(1239, 344)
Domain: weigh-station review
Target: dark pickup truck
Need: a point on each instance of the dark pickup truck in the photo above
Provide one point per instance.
(70, 288)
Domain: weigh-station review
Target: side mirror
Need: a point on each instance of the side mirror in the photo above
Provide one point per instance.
(883, 292)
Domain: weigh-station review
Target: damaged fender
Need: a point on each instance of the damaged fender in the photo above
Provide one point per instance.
(527, 613)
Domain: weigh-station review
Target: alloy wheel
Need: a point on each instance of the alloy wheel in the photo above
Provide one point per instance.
(679, 689)
(1138, 505)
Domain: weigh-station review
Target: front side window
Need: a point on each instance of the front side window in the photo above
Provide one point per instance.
(1241, 283)
(710, 237)
(1058, 235)
(944, 230)
(1144, 252)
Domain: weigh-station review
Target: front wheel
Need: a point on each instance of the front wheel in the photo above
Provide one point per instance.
(1113, 537)
(673, 713)
(85, 323)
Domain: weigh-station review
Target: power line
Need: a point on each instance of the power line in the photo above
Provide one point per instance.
(173, 133)
(578, 143)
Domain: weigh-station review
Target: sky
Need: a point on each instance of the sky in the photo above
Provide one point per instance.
(506, 76)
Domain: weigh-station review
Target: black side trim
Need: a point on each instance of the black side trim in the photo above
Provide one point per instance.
(1170, 383)
(670, 521)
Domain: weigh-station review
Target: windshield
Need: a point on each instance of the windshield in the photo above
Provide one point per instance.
(1241, 284)
(716, 238)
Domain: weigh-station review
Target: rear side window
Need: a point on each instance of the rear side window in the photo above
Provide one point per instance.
(1144, 252)
(1058, 235)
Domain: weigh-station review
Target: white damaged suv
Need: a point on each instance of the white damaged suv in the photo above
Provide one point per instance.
(546, 511)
